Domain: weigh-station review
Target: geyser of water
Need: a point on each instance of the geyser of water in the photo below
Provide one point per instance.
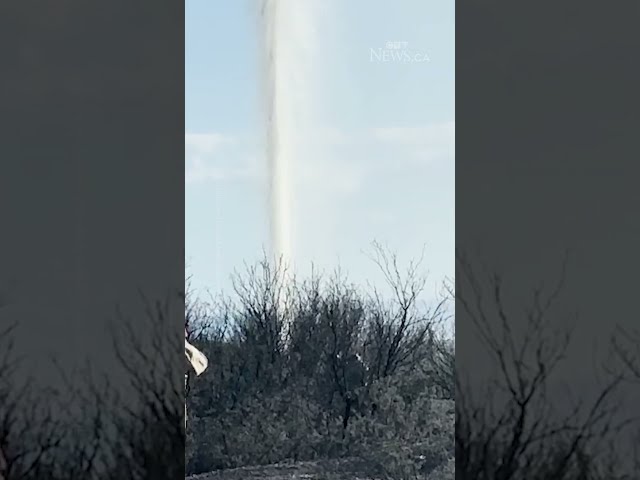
(287, 55)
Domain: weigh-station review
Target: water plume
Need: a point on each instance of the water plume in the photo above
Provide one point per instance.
(287, 27)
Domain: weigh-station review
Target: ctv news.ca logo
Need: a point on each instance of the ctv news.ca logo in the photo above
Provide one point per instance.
(397, 52)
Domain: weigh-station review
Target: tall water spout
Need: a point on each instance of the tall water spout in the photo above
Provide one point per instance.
(288, 35)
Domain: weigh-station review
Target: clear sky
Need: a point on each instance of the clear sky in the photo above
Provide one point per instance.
(385, 130)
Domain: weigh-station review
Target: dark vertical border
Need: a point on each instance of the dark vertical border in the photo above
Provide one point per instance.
(92, 234)
(546, 232)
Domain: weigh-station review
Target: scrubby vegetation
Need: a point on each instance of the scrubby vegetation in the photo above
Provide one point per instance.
(319, 369)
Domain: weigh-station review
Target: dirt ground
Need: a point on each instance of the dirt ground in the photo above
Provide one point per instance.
(322, 470)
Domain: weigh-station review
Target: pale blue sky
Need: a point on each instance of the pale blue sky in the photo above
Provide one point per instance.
(385, 129)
